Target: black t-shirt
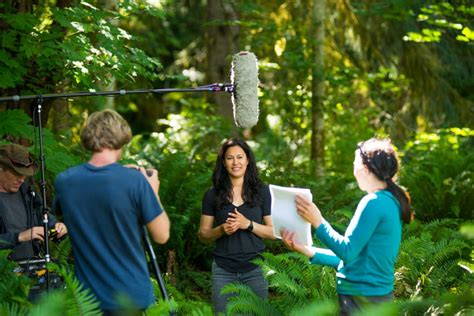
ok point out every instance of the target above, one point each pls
(234, 252)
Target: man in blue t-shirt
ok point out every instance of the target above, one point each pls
(105, 206)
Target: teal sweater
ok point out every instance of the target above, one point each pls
(365, 256)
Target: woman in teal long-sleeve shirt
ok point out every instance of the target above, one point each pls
(365, 255)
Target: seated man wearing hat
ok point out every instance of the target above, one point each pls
(20, 207)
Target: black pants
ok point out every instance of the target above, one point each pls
(349, 304)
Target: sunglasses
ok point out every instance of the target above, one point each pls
(21, 164)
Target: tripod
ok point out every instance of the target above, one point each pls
(37, 109)
(156, 268)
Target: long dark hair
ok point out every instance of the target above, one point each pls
(380, 158)
(221, 178)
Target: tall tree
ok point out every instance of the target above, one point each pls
(317, 86)
(222, 42)
(109, 5)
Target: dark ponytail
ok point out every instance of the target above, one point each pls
(403, 198)
(380, 158)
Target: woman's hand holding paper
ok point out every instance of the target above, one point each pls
(308, 211)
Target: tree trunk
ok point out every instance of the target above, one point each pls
(222, 42)
(109, 5)
(317, 87)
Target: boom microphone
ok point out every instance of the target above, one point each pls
(243, 86)
(244, 78)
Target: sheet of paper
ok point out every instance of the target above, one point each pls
(284, 213)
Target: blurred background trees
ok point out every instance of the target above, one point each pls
(332, 73)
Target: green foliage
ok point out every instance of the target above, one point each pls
(13, 288)
(438, 172)
(16, 123)
(12, 309)
(461, 303)
(61, 252)
(73, 299)
(428, 260)
(317, 308)
(57, 156)
(179, 302)
(444, 18)
(245, 301)
(292, 280)
(81, 43)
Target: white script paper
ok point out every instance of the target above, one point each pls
(284, 213)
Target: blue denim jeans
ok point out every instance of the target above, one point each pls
(220, 277)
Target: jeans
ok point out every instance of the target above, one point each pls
(349, 304)
(220, 277)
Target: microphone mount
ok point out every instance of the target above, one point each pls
(226, 87)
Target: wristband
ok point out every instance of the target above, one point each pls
(250, 228)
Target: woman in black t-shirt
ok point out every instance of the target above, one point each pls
(236, 214)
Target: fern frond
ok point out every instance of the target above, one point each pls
(79, 301)
(14, 288)
(428, 263)
(162, 307)
(245, 301)
(13, 309)
(62, 251)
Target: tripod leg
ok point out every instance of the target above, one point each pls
(156, 268)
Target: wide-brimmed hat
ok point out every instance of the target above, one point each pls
(17, 158)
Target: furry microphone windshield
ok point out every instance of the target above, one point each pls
(244, 77)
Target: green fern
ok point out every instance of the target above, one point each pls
(428, 260)
(245, 301)
(161, 307)
(178, 301)
(62, 251)
(294, 282)
(73, 299)
(13, 309)
(14, 288)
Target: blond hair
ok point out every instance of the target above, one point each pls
(105, 129)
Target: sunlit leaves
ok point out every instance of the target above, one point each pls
(280, 46)
(79, 42)
(426, 35)
(442, 18)
(443, 162)
(467, 35)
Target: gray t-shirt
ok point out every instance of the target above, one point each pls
(15, 219)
